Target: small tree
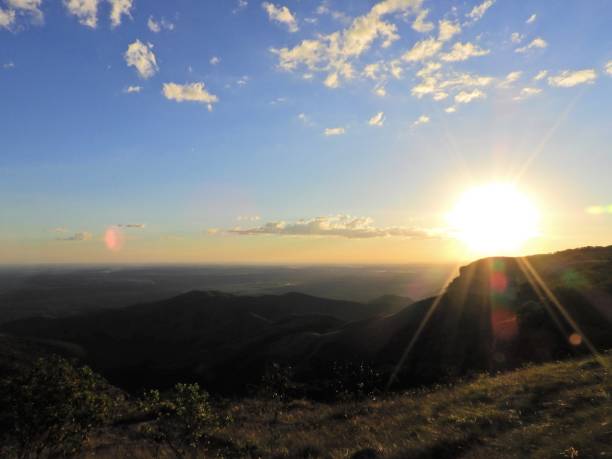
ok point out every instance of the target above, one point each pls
(182, 418)
(50, 408)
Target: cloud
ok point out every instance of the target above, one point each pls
(478, 11)
(80, 236)
(536, 43)
(377, 120)
(516, 37)
(608, 68)
(531, 19)
(8, 65)
(190, 92)
(7, 18)
(423, 119)
(420, 24)
(568, 78)
(32, 7)
(248, 218)
(305, 119)
(510, 78)
(119, 8)
(85, 10)
(380, 91)
(333, 53)
(157, 26)
(451, 109)
(334, 131)
(240, 5)
(423, 50)
(141, 57)
(437, 84)
(463, 51)
(281, 14)
(465, 97)
(335, 226)
(132, 225)
(215, 60)
(132, 89)
(447, 30)
(527, 92)
(541, 75)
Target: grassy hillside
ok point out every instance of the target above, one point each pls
(550, 410)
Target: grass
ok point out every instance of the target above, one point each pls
(546, 411)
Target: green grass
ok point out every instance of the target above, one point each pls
(547, 411)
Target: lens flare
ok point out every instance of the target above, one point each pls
(494, 219)
(113, 238)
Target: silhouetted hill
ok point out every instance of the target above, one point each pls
(497, 314)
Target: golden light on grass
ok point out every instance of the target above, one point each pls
(494, 219)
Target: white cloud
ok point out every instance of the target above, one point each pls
(334, 131)
(451, 109)
(422, 50)
(335, 226)
(438, 96)
(478, 11)
(7, 18)
(240, 5)
(119, 8)
(380, 91)
(568, 78)
(531, 19)
(8, 65)
(377, 120)
(423, 119)
(541, 75)
(527, 92)
(510, 78)
(516, 37)
(132, 225)
(190, 92)
(465, 97)
(463, 51)
(215, 60)
(85, 10)
(420, 24)
(153, 25)
(536, 43)
(281, 14)
(447, 30)
(32, 7)
(608, 68)
(333, 53)
(141, 57)
(132, 89)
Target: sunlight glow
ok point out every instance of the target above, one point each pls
(494, 219)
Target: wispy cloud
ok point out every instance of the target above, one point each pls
(86, 11)
(132, 225)
(120, 8)
(531, 19)
(540, 75)
(80, 236)
(420, 24)
(447, 30)
(215, 60)
(140, 56)
(377, 120)
(345, 226)
(569, 78)
(464, 51)
(240, 6)
(511, 78)
(423, 119)
(527, 92)
(281, 14)
(423, 50)
(189, 92)
(132, 89)
(608, 68)
(465, 97)
(28, 7)
(157, 26)
(7, 18)
(536, 43)
(479, 11)
(328, 132)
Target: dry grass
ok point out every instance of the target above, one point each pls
(554, 410)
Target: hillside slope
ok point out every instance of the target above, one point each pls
(551, 410)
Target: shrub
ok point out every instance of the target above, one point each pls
(182, 418)
(49, 409)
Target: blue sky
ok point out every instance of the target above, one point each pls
(295, 130)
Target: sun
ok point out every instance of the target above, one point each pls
(494, 219)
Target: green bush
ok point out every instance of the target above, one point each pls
(182, 418)
(49, 409)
